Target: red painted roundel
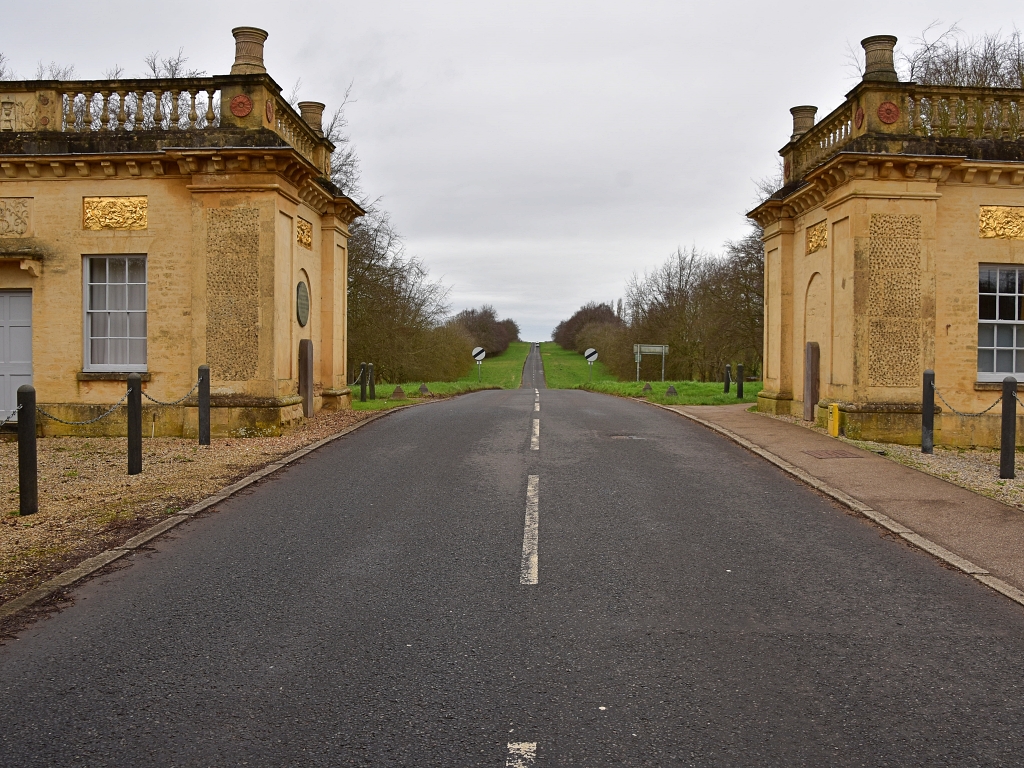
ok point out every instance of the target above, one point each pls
(241, 105)
(888, 112)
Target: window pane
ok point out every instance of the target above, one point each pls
(117, 351)
(137, 352)
(137, 326)
(117, 297)
(100, 326)
(986, 335)
(986, 307)
(119, 324)
(1004, 360)
(116, 271)
(1020, 362)
(1004, 335)
(136, 270)
(98, 351)
(97, 270)
(97, 297)
(985, 360)
(136, 297)
(1007, 308)
(1020, 336)
(1007, 280)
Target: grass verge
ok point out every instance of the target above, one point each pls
(504, 371)
(565, 369)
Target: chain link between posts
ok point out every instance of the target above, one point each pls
(979, 413)
(10, 416)
(174, 402)
(113, 408)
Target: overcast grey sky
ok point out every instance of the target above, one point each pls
(534, 154)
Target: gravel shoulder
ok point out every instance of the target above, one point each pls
(88, 503)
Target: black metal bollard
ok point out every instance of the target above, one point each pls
(739, 381)
(362, 382)
(1008, 433)
(134, 424)
(204, 405)
(928, 412)
(28, 476)
(306, 376)
(371, 384)
(728, 378)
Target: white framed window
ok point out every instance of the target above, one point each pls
(1000, 321)
(115, 313)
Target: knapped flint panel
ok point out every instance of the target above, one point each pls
(232, 297)
(894, 300)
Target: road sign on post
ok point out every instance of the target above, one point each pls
(639, 350)
(479, 353)
(591, 356)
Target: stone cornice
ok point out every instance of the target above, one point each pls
(207, 169)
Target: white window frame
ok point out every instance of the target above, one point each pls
(1015, 348)
(88, 365)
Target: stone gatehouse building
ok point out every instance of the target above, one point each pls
(155, 225)
(897, 245)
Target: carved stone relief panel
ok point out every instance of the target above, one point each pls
(118, 213)
(17, 112)
(232, 292)
(817, 237)
(1001, 221)
(894, 300)
(304, 233)
(15, 216)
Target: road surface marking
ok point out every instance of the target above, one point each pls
(521, 754)
(536, 406)
(536, 392)
(528, 569)
(535, 440)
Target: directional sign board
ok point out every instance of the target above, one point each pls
(650, 349)
(479, 354)
(591, 355)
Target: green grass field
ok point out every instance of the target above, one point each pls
(502, 372)
(564, 369)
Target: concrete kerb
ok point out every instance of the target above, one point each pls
(909, 536)
(103, 559)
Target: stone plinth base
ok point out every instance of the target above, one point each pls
(230, 416)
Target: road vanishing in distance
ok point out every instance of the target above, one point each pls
(372, 605)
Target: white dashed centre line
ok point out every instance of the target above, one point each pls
(536, 406)
(521, 754)
(535, 439)
(528, 569)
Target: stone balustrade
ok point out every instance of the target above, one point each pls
(983, 113)
(249, 102)
(827, 137)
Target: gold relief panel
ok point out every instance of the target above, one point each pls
(15, 216)
(1002, 221)
(817, 237)
(119, 213)
(304, 234)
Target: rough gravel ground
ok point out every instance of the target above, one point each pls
(976, 469)
(89, 503)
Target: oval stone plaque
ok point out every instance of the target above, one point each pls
(302, 304)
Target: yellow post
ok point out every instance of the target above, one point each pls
(833, 419)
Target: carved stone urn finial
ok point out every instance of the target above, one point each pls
(248, 51)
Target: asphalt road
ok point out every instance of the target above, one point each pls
(533, 371)
(692, 606)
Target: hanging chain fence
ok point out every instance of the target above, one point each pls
(10, 416)
(113, 408)
(173, 402)
(959, 413)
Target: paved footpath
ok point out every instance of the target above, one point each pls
(981, 530)
(453, 586)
